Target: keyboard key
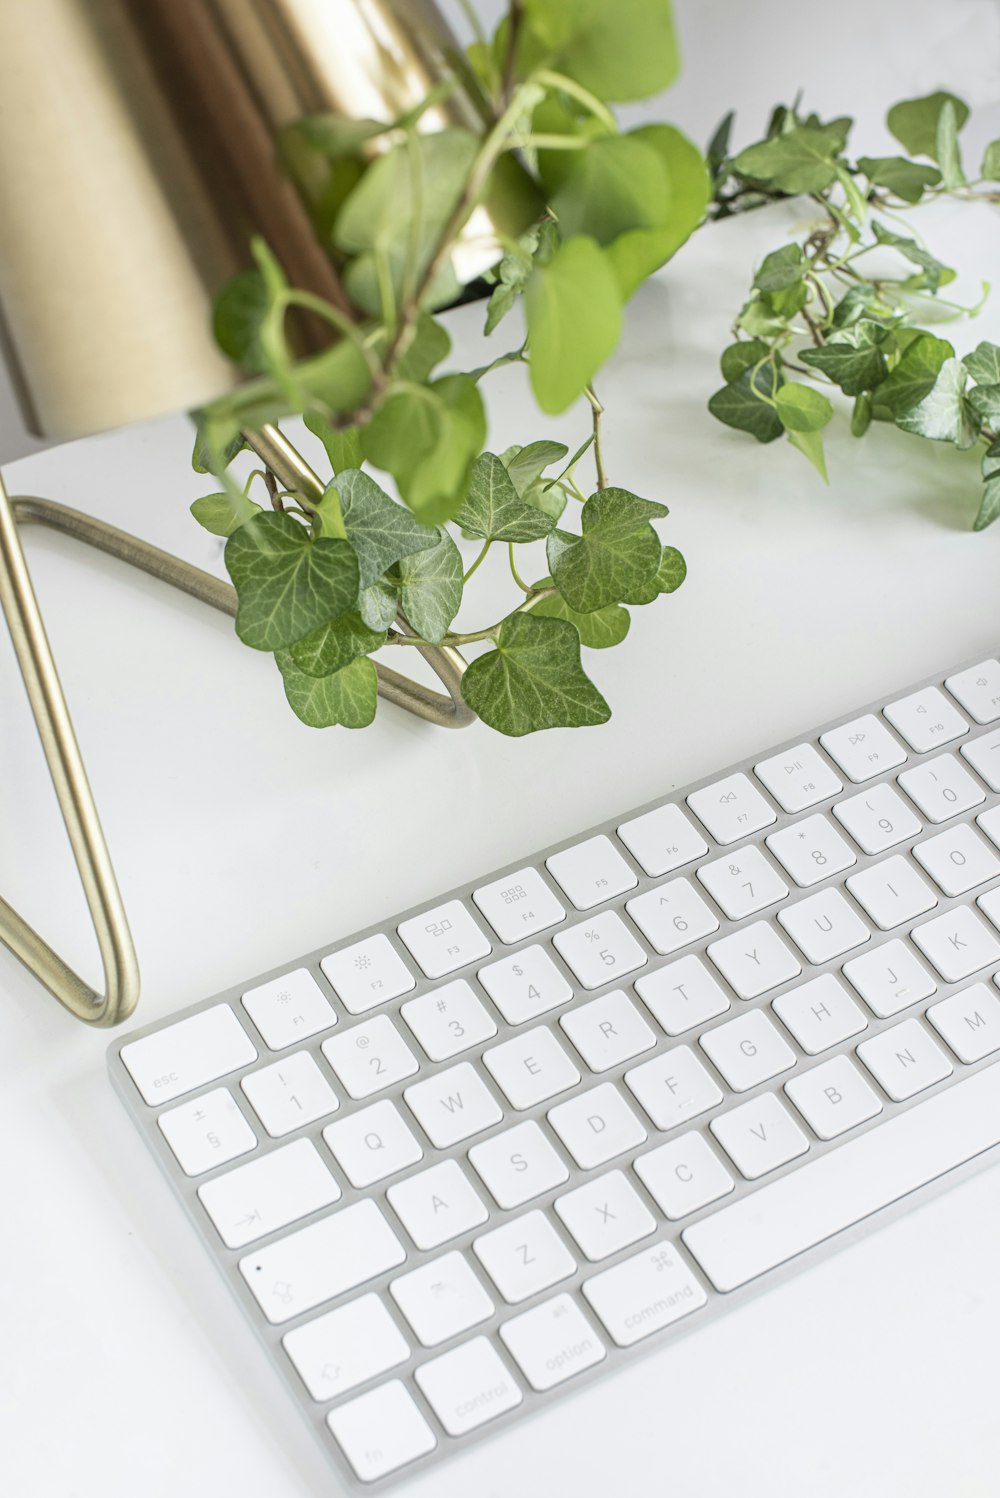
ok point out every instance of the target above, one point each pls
(989, 821)
(682, 994)
(453, 1105)
(731, 808)
(760, 1135)
(983, 755)
(289, 1094)
(524, 1257)
(892, 892)
(673, 1087)
(969, 1021)
(599, 950)
(957, 860)
(444, 939)
(890, 978)
(437, 1205)
(605, 1215)
(517, 1165)
(820, 1013)
(591, 872)
(596, 1126)
(811, 850)
(468, 1386)
(957, 944)
(325, 1259)
(978, 690)
(754, 960)
(531, 1068)
(370, 1057)
(519, 905)
(798, 778)
(367, 973)
(878, 818)
(743, 883)
(381, 1431)
(525, 985)
(662, 840)
(372, 1144)
(863, 748)
(942, 788)
(551, 1342)
(672, 915)
(926, 719)
(268, 1193)
(747, 1050)
(188, 1054)
(289, 1009)
(448, 1020)
(989, 904)
(346, 1347)
(643, 1294)
(824, 926)
(905, 1059)
(833, 1098)
(683, 1175)
(608, 1030)
(208, 1131)
(441, 1299)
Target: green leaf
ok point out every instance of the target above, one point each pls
(380, 530)
(935, 274)
(224, 513)
(810, 443)
(851, 357)
(990, 168)
(343, 445)
(205, 459)
(983, 363)
(588, 41)
(985, 402)
(527, 464)
(915, 375)
(946, 152)
(573, 310)
(617, 553)
(914, 122)
(672, 570)
(427, 439)
(598, 631)
(492, 509)
(378, 604)
(942, 414)
(738, 406)
(635, 254)
(430, 344)
(432, 588)
(533, 680)
(617, 183)
(349, 697)
(856, 303)
(907, 179)
(802, 409)
(333, 135)
(800, 160)
(237, 315)
(286, 583)
(861, 415)
(740, 356)
(335, 645)
(989, 507)
(784, 267)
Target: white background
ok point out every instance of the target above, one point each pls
(243, 838)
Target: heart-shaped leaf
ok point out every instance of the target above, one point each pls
(616, 555)
(432, 584)
(287, 584)
(335, 645)
(349, 697)
(533, 679)
(492, 509)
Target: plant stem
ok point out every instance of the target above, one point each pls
(590, 102)
(513, 569)
(515, 17)
(597, 411)
(480, 558)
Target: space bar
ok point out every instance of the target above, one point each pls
(812, 1203)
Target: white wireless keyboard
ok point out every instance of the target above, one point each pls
(458, 1164)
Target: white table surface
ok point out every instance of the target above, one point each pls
(243, 839)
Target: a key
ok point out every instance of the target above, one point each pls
(325, 1259)
(731, 808)
(905, 1059)
(878, 818)
(525, 985)
(437, 1205)
(346, 1347)
(289, 1094)
(644, 1294)
(957, 860)
(599, 950)
(673, 1087)
(983, 755)
(518, 1165)
(448, 1020)
(551, 1342)
(381, 1431)
(662, 840)
(892, 892)
(370, 1056)
(453, 1105)
(989, 822)
(760, 1135)
(824, 926)
(682, 994)
(863, 748)
(811, 850)
(268, 1193)
(608, 1030)
(591, 872)
(596, 1126)
(969, 1021)
(683, 1175)
(754, 959)
(468, 1386)
(798, 778)
(367, 973)
(820, 1013)
(208, 1131)
(942, 788)
(926, 719)
(747, 1050)
(441, 1299)
(531, 1068)
(833, 1097)
(372, 1144)
(890, 978)
(957, 944)
(444, 939)
(524, 1257)
(188, 1054)
(743, 883)
(605, 1215)
(519, 905)
(289, 1009)
(978, 690)
(672, 915)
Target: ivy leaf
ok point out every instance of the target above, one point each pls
(934, 272)
(335, 645)
(205, 459)
(989, 507)
(810, 444)
(983, 363)
(915, 375)
(914, 122)
(430, 344)
(533, 680)
(857, 302)
(618, 183)
(740, 356)
(990, 168)
(379, 604)
(907, 179)
(942, 415)
(224, 513)
(286, 583)
(851, 357)
(587, 41)
(598, 631)
(737, 405)
(332, 135)
(637, 253)
(800, 160)
(861, 415)
(802, 409)
(573, 310)
(527, 464)
(343, 447)
(432, 588)
(380, 530)
(349, 697)
(238, 312)
(617, 552)
(427, 439)
(946, 148)
(985, 402)
(492, 509)
(782, 268)
(672, 570)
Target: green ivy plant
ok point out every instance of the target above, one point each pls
(324, 585)
(841, 310)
